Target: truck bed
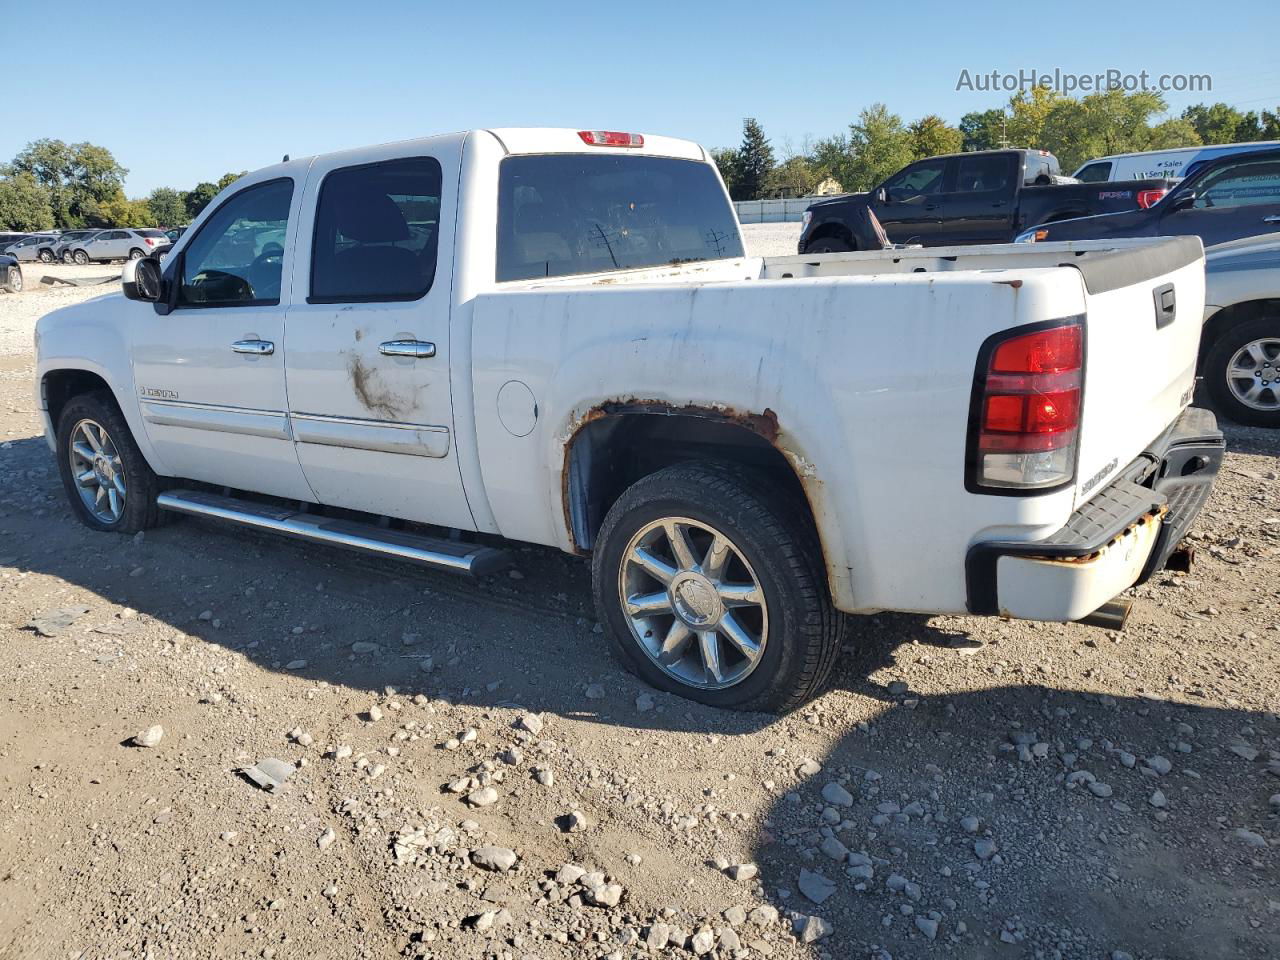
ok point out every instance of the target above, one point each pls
(863, 363)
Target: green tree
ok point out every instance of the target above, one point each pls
(932, 136)
(755, 161)
(78, 176)
(982, 130)
(726, 160)
(198, 197)
(227, 179)
(24, 203)
(1222, 123)
(1174, 132)
(879, 145)
(832, 158)
(794, 177)
(119, 211)
(167, 207)
(1270, 125)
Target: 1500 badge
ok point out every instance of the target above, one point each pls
(1097, 477)
(159, 394)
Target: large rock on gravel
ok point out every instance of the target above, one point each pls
(149, 737)
(809, 929)
(815, 886)
(836, 794)
(498, 859)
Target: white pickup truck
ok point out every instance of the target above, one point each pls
(426, 348)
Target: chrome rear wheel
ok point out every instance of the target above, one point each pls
(693, 603)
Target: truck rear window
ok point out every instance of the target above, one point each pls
(564, 214)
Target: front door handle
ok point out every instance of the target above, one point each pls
(407, 348)
(257, 348)
(1271, 219)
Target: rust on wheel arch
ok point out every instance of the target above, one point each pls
(763, 424)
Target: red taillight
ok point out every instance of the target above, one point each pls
(610, 138)
(1149, 198)
(1027, 409)
(151, 241)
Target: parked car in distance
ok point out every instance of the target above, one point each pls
(541, 335)
(10, 238)
(1172, 164)
(28, 249)
(1234, 196)
(1240, 347)
(59, 249)
(986, 196)
(173, 233)
(10, 274)
(128, 244)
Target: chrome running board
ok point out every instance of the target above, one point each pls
(428, 551)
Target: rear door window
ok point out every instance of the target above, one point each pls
(377, 232)
(1240, 185)
(983, 174)
(565, 214)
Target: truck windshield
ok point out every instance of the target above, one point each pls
(564, 214)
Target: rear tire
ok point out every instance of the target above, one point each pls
(771, 588)
(828, 245)
(84, 423)
(1247, 353)
(15, 280)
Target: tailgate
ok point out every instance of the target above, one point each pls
(1144, 307)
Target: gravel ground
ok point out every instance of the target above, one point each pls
(469, 775)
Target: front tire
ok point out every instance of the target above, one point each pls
(80, 257)
(46, 256)
(1242, 372)
(828, 245)
(136, 254)
(108, 482)
(15, 280)
(712, 587)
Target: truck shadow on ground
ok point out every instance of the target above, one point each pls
(1052, 868)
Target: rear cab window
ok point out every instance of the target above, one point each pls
(567, 214)
(1095, 173)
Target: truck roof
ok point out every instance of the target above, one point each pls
(526, 140)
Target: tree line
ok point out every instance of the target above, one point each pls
(51, 184)
(1075, 129)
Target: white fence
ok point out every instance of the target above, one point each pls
(773, 211)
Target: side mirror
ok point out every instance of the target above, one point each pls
(1185, 201)
(882, 195)
(141, 280)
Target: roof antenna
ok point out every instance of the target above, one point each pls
(286, 159)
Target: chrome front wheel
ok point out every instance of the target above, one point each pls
(693, 603)
(98, 471)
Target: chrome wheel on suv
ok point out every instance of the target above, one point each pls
(1253, 374)
(98, 471)
(693, 602)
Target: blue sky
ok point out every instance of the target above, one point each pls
(202, 89)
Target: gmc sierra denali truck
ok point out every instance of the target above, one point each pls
(986, 196)
(427, 348)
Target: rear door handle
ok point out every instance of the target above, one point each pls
(407, 348)
(1271, 219)
(258, 348)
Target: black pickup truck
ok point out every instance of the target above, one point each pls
(988, 196)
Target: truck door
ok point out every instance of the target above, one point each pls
(980, 199)
(210, 374)
(367, 344)
(1236, 200)
(907, 203)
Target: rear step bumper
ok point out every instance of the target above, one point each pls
(428, 551)
(1120, 537)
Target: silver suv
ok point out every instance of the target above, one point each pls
(29, 249)
(59, 248)
(130, 244)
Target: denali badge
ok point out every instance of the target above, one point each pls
(1097, 477)
(159, 394)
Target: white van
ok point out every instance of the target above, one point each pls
(1170, 164)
